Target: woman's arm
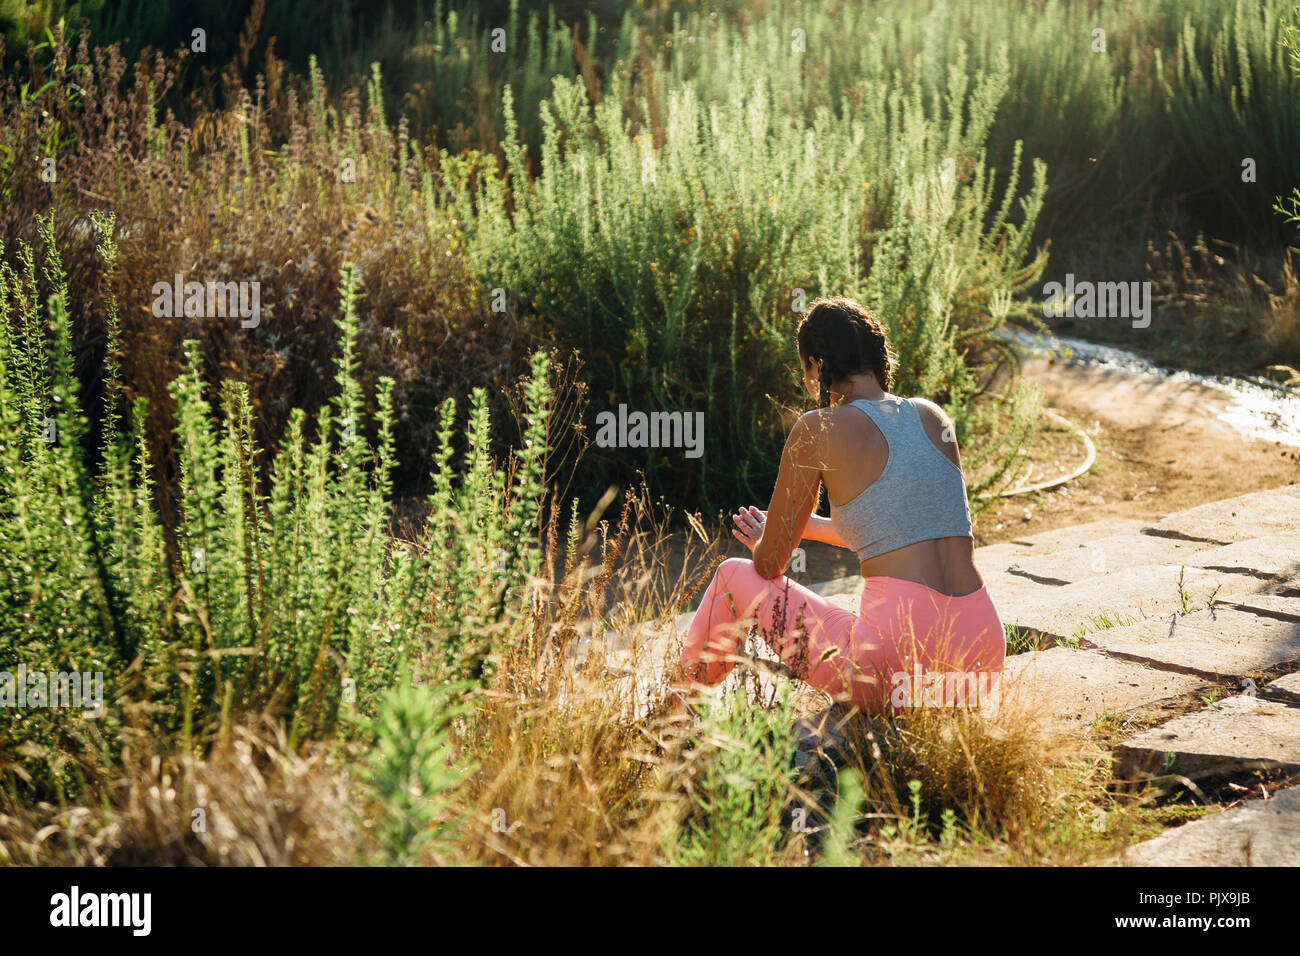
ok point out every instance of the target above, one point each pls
(820, 529)
(749, 528)
(793, 499)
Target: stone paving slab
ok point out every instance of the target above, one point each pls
(1231, 736)
(1105, 555)
(645, 649)
(1014, 590)
(1237, 519)
(1220, 640)
(1272, 556)
(992, 558)
(1077, 534)
(850, 584)
(1130, 593)
(1281, 607)
(849, 602)
(1068, 689)
(1284, 690)
(1260, 833)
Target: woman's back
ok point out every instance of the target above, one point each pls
(898, 500)
(897, 494)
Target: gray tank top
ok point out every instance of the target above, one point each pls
(919, 495)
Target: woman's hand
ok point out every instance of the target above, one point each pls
(749, 525)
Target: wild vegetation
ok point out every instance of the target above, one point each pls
(348, 573)
(287, 681)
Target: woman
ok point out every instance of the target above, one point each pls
(926, 630)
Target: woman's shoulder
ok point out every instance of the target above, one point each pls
(818, 420)
(937, 424)
(809, 434)
(928, 408)
(812, 422)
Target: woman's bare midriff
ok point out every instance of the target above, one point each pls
(946, 565)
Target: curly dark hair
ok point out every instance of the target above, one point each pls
(848, 340)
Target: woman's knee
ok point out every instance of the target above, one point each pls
(735, 569)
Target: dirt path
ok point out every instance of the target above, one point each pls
(1160, 448)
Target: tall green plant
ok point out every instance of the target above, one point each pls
(676, 267)
(1289, 206)
(741, 783)
(413, 771)
(284, 593)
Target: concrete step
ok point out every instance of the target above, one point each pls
(994, 558)
(1071, 537)
(849, 584)
(1279, 606)
(1232, 736)
(1236, 519)
(1259, 833)
(1066, 689)
(1105, 555)
(1124, 597)
(1272, 557)
(1284, 690)
(1223, 640)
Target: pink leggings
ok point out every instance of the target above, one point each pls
(908, 645)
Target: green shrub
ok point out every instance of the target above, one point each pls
(676, 268)
(1289, 206)
(741, 780)
(285, 596)
(414, 771)
(282, 187)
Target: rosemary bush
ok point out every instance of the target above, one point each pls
(677, 268)
(285, 595)
(742, 781)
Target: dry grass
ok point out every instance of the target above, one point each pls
(1241, 310)
(250, 802)
(257, 190)
(572, 747)
(577, 761)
